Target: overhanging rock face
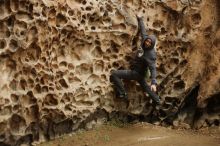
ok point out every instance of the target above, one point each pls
(56, 58)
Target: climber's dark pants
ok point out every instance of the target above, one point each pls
(117, 75)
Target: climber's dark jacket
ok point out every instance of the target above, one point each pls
(148, 59)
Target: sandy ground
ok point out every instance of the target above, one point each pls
(141, 134)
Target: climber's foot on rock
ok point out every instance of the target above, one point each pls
(122, 96)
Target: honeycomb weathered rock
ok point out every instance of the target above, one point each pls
(56, 58)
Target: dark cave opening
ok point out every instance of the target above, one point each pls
(213, 104)
(190, 100)
(189, 106)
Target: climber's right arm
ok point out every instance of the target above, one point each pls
(142, 28)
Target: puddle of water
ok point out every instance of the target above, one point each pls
(151, 138)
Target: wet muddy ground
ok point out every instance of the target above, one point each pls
(141, 134)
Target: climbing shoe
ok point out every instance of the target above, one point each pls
(158, 101)
(158, 104)
(123, 96)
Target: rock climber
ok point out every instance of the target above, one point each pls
(141, 63)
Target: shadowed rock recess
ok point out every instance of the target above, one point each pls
(56, 58)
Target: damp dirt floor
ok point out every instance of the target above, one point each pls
(141, 134)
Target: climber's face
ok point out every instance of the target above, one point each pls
(148, 43)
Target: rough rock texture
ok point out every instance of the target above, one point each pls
(56, 58)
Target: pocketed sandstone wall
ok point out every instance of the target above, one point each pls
(56, 58)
